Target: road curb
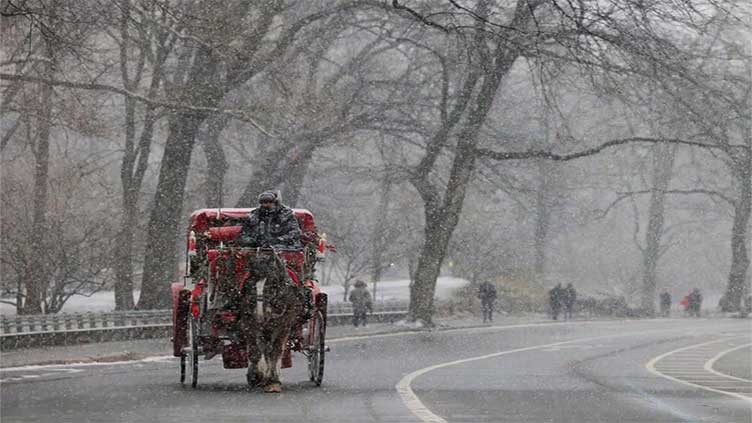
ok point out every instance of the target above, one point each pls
(127, 356)
(24, 340)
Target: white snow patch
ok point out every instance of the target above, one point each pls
(407, 324)
(399, 290)
(394, 290)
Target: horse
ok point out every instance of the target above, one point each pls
(270, 305)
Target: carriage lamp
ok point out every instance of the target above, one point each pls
(321, 247)
(192, 243)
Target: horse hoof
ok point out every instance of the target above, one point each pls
(273, 388)
(254, 381)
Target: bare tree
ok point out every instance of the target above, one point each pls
(147, 34)
(213, 68)
(53, 32)
(663, 164)
(521, 34)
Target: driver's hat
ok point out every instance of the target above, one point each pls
(267, 197)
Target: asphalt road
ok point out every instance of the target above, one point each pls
(617, 371)
(737, 363)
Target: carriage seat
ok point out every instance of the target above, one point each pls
(305, 220)
(224, 233)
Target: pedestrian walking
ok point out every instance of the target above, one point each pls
(685, 303)
(695, 302)
(361, 303)
(554, 300)
(665, 301)
(487, 296)
(569, 297)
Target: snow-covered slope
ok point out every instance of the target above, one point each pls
(385, 290)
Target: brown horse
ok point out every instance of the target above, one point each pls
(270, 305)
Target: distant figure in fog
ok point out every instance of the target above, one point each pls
(685, 303)
(554, 299)
(361, 303)
(665, 300)
(569, 297)
(487, 296)
(695, 302)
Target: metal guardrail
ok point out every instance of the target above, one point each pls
(79, 328)
(81, 321)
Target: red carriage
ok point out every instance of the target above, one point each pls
(214, 308)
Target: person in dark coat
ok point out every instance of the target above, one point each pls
(361, 303)
(665, 300)
(555, 300)
(695, 302)
(487, 296)
(272, 224)
(569, 297)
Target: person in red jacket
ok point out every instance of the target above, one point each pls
(685, 303)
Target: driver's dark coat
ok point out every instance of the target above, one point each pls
(276, 228)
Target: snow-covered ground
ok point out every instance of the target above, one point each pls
(100, 301)
(385, 290)
(399, 289)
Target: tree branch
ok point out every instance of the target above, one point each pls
(9, 133)
(423, 19)
(237, 114)
(700, 191)
(549, 155)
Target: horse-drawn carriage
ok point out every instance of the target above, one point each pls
(252, 306)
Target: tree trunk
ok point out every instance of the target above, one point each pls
(216, 161)
(345, 290)
(295, 177)
(19, 294)
(737, 280)
(440, 223)
(133, 169)
(663, 163)
(160, 259)
(378, 243)
(264, 175)
(437, 234)
(124, 247)
(542, 219)
(36, 286)
(327, 277)
(283, 168)
(124, 254)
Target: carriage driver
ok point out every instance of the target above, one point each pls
(272, 224)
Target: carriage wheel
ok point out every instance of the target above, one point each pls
(317, 348)
(182, 368)
(181, 327)
(193, 354)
